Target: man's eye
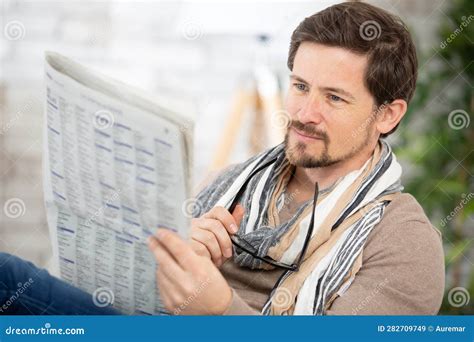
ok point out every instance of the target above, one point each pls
(300, 86)
(335, 98)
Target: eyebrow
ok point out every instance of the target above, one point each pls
(332, 89)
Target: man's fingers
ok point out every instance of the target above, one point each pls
(216, 227)
(208, 239)
(176, 247)
(223, 215)
(200, 249)
(166, 290)
(165, 261)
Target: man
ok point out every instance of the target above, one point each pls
(318, 224)
(353, 72)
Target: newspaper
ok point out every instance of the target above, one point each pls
(116, 166)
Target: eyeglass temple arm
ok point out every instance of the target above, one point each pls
(244, 185)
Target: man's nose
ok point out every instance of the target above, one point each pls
(311, 110)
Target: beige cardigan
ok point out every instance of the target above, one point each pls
(402, 271)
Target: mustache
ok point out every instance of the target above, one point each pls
(309, 130)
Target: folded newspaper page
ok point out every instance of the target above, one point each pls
(116, 167)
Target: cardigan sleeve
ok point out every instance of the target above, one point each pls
(239, 307)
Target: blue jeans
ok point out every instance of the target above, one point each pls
(28, 290)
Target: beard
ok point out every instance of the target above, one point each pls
(299, 153)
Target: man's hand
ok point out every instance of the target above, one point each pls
(189, 284)
(210, 233)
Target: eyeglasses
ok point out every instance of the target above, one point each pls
(244, 245)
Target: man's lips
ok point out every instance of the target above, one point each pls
(305, 135)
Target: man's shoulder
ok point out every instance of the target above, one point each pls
(405, 225)
(405, 207)
(405, 252)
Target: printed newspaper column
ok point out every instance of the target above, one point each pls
(116, 167)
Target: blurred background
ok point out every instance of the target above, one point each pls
(228, 59)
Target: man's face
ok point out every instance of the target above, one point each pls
(332, 112)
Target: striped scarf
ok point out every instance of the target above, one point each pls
(345, 214)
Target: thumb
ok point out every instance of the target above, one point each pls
(238, 214)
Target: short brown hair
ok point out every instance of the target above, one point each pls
(367, 30)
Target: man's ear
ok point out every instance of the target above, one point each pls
(390, 115)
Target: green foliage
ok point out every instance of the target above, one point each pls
(440, 146)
